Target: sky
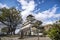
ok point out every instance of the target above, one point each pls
(47, 11)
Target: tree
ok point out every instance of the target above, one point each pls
(54, 32)
(11, 18)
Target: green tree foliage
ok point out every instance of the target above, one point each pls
(54, 32)
(4, 30)
(11, 18)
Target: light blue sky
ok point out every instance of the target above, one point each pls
(46, 10)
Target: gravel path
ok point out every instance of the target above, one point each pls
(28, 38)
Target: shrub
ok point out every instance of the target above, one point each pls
(54, 33)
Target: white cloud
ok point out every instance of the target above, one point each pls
(3, 5)
(28, 7)
(47, 14)
(43, 16)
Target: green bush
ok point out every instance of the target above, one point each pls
(54, 33)
(4, 30)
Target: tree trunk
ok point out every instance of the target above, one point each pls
(14, 28)
(22, 34)
(13, 32)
